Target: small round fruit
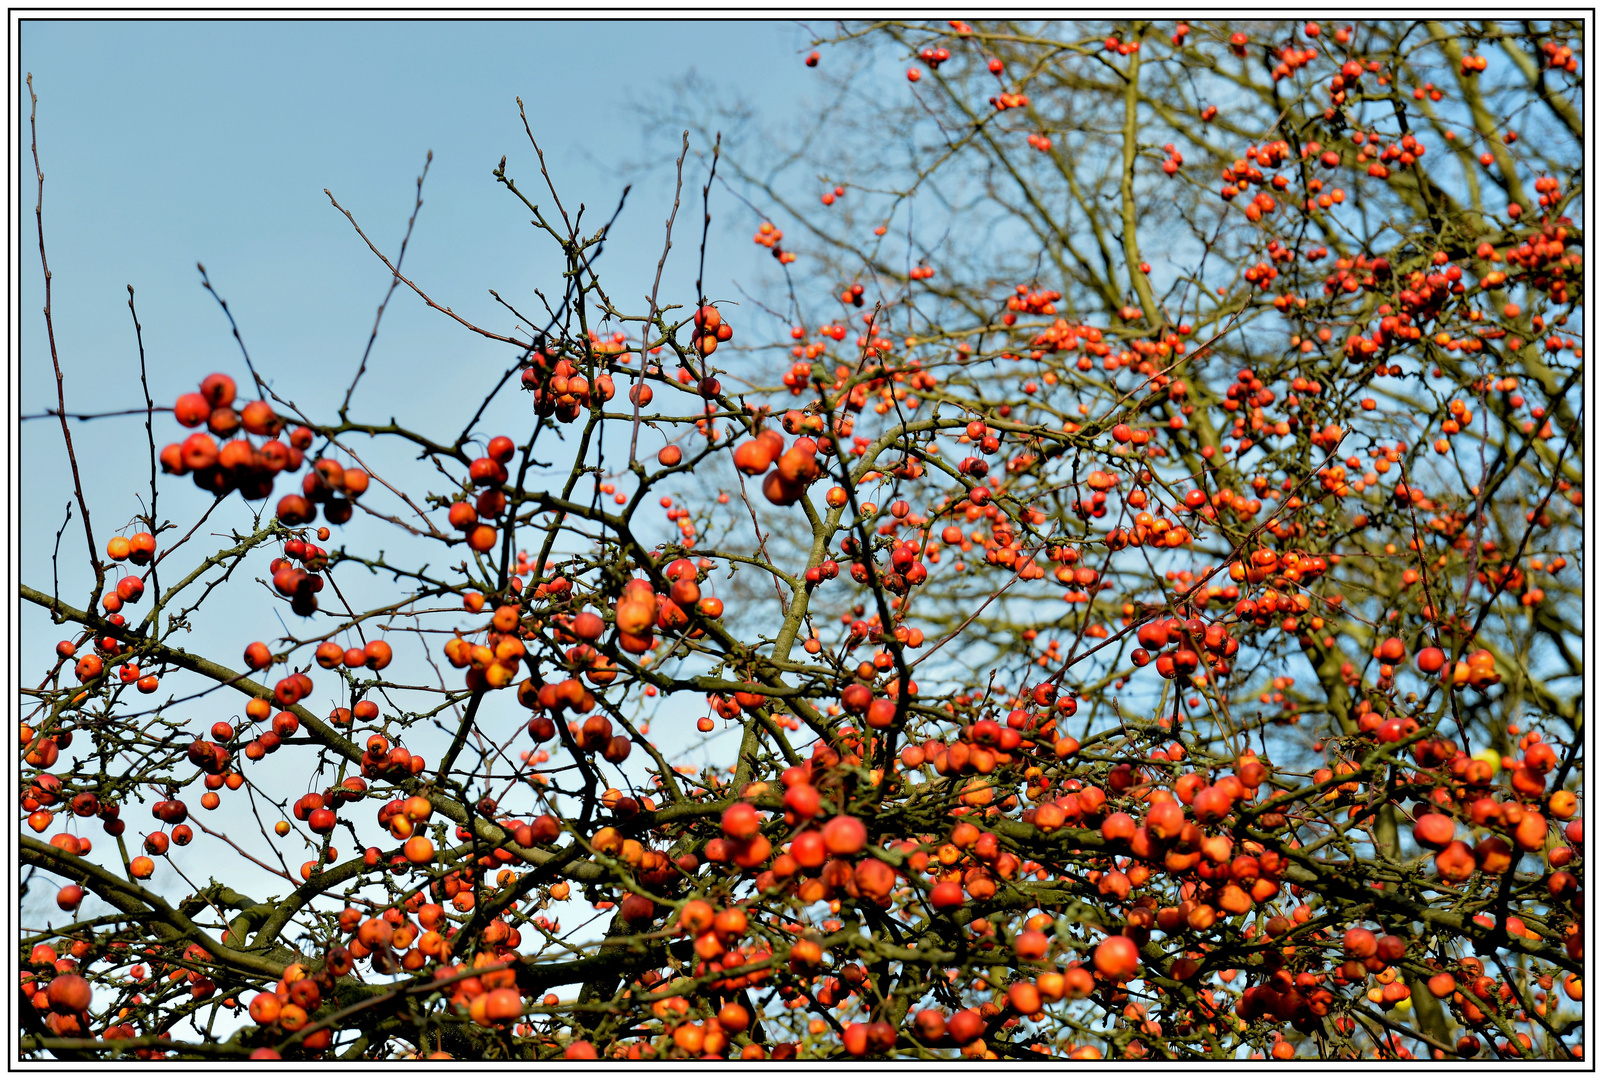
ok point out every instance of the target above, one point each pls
(68, 993)
(419, 849)
(845, 835)
(1117, 958)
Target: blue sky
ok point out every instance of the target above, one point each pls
(168, 143)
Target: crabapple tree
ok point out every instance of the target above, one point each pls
(1108, 589)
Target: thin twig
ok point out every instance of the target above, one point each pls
(409, 284)
(50, 414)
(150, 434)
(706, 224)
(395, 280)
(651, 315)
(205, 282)
(50, 332)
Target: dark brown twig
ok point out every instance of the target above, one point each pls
(55, 360)
(395, 279)
(651, 314)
